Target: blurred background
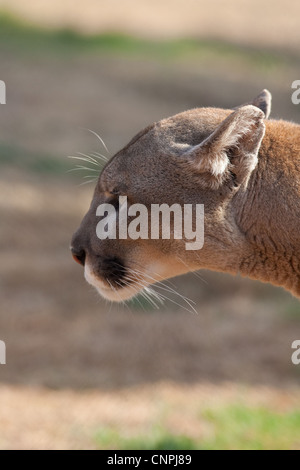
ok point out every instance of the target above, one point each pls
(82, 373)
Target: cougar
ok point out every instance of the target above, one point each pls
(243, 168)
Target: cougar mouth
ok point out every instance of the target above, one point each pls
(113, 287)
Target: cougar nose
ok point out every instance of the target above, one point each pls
(78, 255)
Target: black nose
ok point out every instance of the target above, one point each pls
(78, 255)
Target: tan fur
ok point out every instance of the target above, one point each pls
(246, 172)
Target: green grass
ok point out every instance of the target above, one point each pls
(290, 310)
(21, 37)
(35, 162)
(238, 427)
(246, 428)
(158, 440)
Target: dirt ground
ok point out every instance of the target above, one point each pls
(68, 419)
(74, 362)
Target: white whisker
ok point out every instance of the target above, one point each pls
(101, 140)
(99, 156)
(80, 167)
(84, 159)
(86, 182)
(166, 288)
(196, 274)
(88, 156)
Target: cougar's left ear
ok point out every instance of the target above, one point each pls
(230, 152)
(264, 102)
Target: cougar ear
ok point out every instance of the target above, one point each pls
(230, 152)
(262, 101)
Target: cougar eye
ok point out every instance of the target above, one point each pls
(109, 194)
